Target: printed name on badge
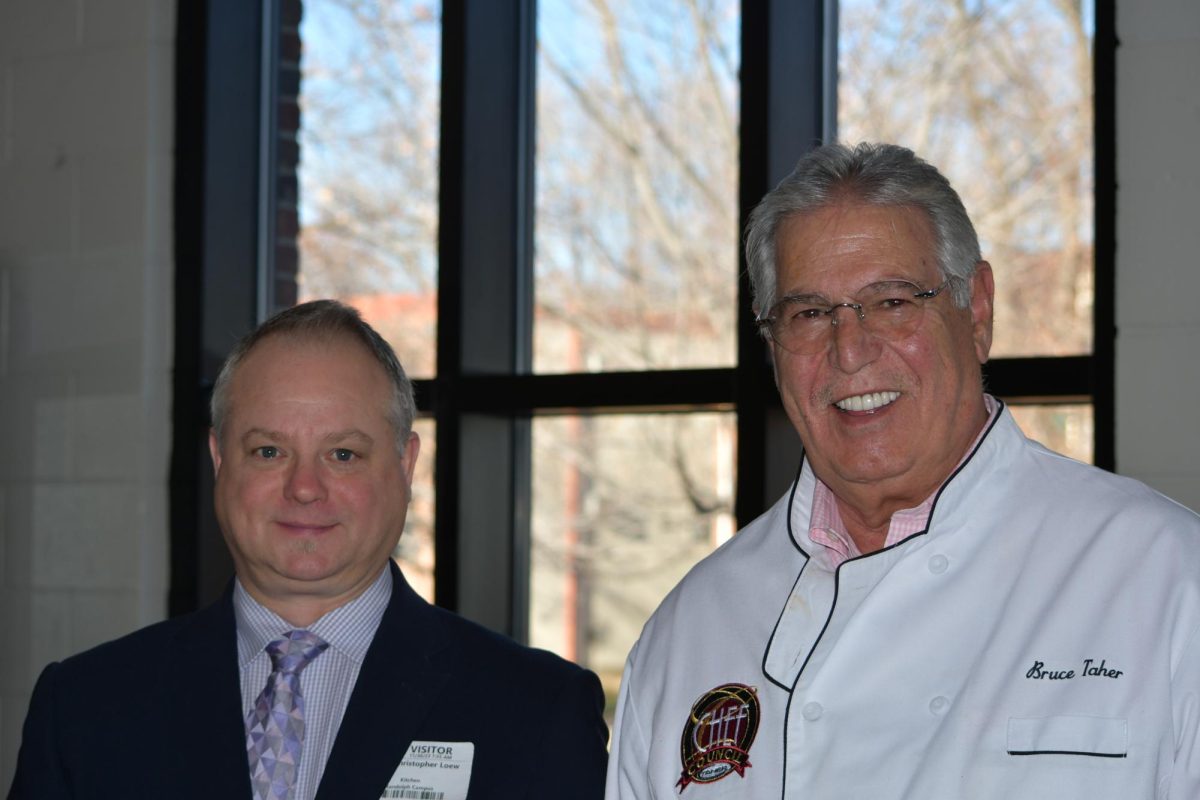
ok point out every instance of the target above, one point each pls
(432, 771)
(718, 734)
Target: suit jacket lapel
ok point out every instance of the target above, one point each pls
(395, 690)
(200, 692)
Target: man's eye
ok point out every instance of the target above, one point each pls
(267, 451)
(893, 303)
(343, 455)
(805, 314)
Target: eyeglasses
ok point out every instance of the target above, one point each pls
(888, 310)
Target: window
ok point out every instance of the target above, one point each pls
(367, 178)
(634, 268)
(591, 317)
(636, 226)
(998, 95)
(623, 505)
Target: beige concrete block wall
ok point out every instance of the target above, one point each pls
(1158, 245)
(86, 272)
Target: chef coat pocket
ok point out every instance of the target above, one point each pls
(1103, 737)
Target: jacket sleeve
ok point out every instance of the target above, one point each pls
(574, 744)
(628, 770)
(41, 774)
(1185, 691)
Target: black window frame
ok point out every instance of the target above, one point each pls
(484, 395)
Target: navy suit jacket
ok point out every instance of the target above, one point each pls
(157, 714)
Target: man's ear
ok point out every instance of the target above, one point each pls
(412, 448)
(983, 291)
(214, 450)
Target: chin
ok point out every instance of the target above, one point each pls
(308, 567)
(869, 471)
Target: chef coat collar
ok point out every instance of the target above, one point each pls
(800, 624)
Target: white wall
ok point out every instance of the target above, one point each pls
(86, 138)
(1158, 245)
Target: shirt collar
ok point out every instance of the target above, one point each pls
(348, 629)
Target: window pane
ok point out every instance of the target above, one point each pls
(998, 95)
(415, 553)
(623, 505)
(1066, 429)
(636, 223)
(368, 165)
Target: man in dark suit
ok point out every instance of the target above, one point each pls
(319, 673)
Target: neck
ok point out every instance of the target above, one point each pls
(869, 530)
(867, 508)
(302, 609)
(302, 615)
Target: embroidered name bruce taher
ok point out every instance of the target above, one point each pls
(1090, 669)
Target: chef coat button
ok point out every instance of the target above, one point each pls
(938, 705)
(938, 564)
(812, 711)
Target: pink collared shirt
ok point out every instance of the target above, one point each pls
(827, 529)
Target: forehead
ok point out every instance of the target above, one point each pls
(848, 245)
(334, 372)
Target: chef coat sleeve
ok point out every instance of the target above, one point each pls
(1185, 691)
(628, 768)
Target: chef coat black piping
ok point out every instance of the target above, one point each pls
(837, 580)
(1065, 753)
(932, 509)
(771, 638)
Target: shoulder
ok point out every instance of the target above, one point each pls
(1091, 491)
(549, 710)
(481, 667)
(733, 595)
(756, 553)
(471, 649)
(1056, 512)
(84, 708)
(1024, 477)
(126, 660)
(458, 646)
(760, 551)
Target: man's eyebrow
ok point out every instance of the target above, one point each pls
(349, 435)
(335, 437)
(817, 298)
(805, 297)
(261, 433)
(893, 283)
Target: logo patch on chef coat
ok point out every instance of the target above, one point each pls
(718, 734)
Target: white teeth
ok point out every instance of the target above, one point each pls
(867, 402)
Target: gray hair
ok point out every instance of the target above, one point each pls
(875, 174)
(322, 321)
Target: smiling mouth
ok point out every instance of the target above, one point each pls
(867, 402)
(303, 527)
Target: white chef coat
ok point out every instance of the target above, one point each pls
(1040, 639)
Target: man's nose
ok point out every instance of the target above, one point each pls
(853, 346)
(305, 483)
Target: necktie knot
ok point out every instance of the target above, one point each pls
(295, 650)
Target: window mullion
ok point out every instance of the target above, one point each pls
(484, 266)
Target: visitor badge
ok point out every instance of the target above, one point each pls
(432, 771)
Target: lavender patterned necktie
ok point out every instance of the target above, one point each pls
(275, 726)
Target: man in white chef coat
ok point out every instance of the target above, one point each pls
(938, 607)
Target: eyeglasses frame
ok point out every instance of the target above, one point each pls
(766, 323)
